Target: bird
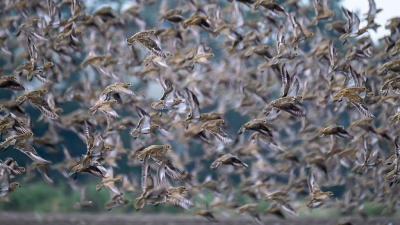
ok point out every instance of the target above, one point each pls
(353, 29)
(197, 20)
(392, 83)
(251, 210)
(228, 159)
(35, 98)
(207, 214)
(392, 176)
(300, 34)
(116, 89)
(317, 196)
(336, 130)
(5, 186)
(83, 202)
(144, 125)
(10, 82)
(351, 94)
(168, 99)
(143, 38)
(156, 153)
(194, 106)
(271, 5)
(104, 107)
(259, 125)
(322, 11)
(20, 142)
(287, 104)
(213, 127)
(284, 51)
(173, 15)
(94, 169)
(11, 122)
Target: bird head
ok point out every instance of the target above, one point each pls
(14, 185)
(29, 133)
(49, 64)
(329, 193)
(127, 84)
(95, 163)
(22, 122)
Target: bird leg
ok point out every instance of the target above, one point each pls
(76, 175)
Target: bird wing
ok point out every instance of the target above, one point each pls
(88, 135)
(4, 178)
(145, 171)
(33, 52)
(13, 85)
(332, 53)
(312, 185)
(344, 134)
(26, 148)
(178, 199)
(359, 103)
(43, 106)
(285, 80)
(385, 87)
(355, 23)
(45, 174)
(106, 109)
(162, 160)
(318, 7)
(194, 104)
(152, 46)
(220, 135)
(167, 87)
(292, 109)
(83, 194)
(144, 122)
(280, 40)
(367, 151)
(397, 144)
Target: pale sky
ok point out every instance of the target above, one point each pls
(390, 8)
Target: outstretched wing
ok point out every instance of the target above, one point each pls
(27, 149)
(43, 106)
(152, 46)
(359, 103)
(194, 104)
(312, 185)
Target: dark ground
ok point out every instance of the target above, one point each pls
(107, 219)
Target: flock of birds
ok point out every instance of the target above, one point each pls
(297, 143)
